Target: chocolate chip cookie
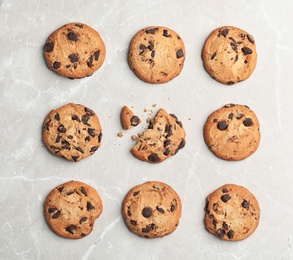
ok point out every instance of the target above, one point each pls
(128, 119)
(232, 132)
(229, 55)
(156, 54)
(75, 51)
(72, 131)
(231, 213)
(71, 209)
(164, 137)
(152, 209)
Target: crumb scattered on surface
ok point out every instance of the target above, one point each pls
(154, 105)
(134, 137)
(148, 120)
(120, 134)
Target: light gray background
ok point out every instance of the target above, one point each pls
(29, 91)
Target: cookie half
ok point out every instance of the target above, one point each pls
(71, 209)
(232, 132)
(229, 55)
(152, 209)
(72, 131)
(156, 54)
(231, 213)
(75, 50)
(164, 137)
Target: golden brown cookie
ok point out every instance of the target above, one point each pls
(75, 50)
(229, 55)
(156, 54)
(152, 209)
(128, 119)
(164, 137)
(232, 132)
(71, 209)
(72, 131)
(231, 213)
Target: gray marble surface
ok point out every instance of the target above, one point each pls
(28, 91)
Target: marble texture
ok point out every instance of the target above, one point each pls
(28, 91)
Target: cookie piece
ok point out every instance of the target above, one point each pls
(156, 54)
(229, 55)
(152, 209)
(72, 131)
(75, 50)
(163, 139)
(128, 119)
(231, 213)
(71, 209)
(232, 132)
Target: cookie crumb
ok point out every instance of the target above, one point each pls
(120, 134)
(134, 137)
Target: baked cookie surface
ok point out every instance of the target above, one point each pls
(71, 209)
(229, 55)
(164, 137)
(75, 50)
(232, 132)
(156, 54)
(152, 209)
(231, 213)
(72, 131)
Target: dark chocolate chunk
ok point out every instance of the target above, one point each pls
(76, 118)
(75, 157)
(225, 32)
(133, 222)
(89, 206)
(79, 25)
(147, 212)
(239, 116)
(213, 56)
(167, 152)
(172, 208)
(92, 132)
(49, 46)
(248, 122)
(85, 119)
(167, 142)
(142, 48)
(61, 129)
(161, 210)
(56, 65)
(222, 125)
(60, 189)
(136, 193)
(151, 46)
(70, 192)
(225, 225)
(100, 137)
(88, 138)
(179, 53)
(182, 144)
(220, 232)
(225, 190)
(230, 234)
(153, 158)
(57, 117)
(225, 198)
(147, 229)
(97, 54)
(246, 50)
(94, 148)
(51, 210)
(90, 61)
(72, 36)
(80, 149)
(245, 204)
(82, 220)
(151, 30)
(153, 53)
(73, 58)
(70, 229)
(230, 116)
(230, 83)
(250, 38)
(166, 34)
(56, 215)
(83, 191)
(89, 111)
(134, 121)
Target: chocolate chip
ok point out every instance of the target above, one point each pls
(147, 212)
(75, 157)
(213, 56)
(60, 189)
(151, 46)
(225, 32)
(70, 229)
(179, 53)
(94, 148)
(153, 53)
(79, 149)
(142, 48)
(73, 58)
(230, 83)
(161, 210)
(76, 118)
(90, 61)
(225, 190)
(225, 226)
(136, 193)
(92, 132)
(246, 50)
(134, 121)
(153, 158)
(225, 198)
(220, 232)
(100, 137)
(51, 210)
(167, 142)
(167, 152)
(61, 129)
(248, 122)
(222, 125)
(65, 145)
(83, 191)
(230, 116)
(49, 46)
(56, 65)
(97, 54)
(56, 215)
(172, 208)
(72, 36)
(82, 220)
(182, 144)
(230, 234)
(85, 119)
(57, 117)
(147, 229)
(151, 31)
(70, 192)
(245, 204)
(89, 206)
(88, 138)
(133, 222)
(250, 38)
(239, 116)
(166, 34)
(79, 25)
(47, 125)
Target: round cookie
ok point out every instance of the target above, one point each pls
(71, 209)
(232, 132)
(229, 55)
(156, 54)
(75, 50)
(164, 137)
(152, 209)
(72, 131)
(232, 213)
